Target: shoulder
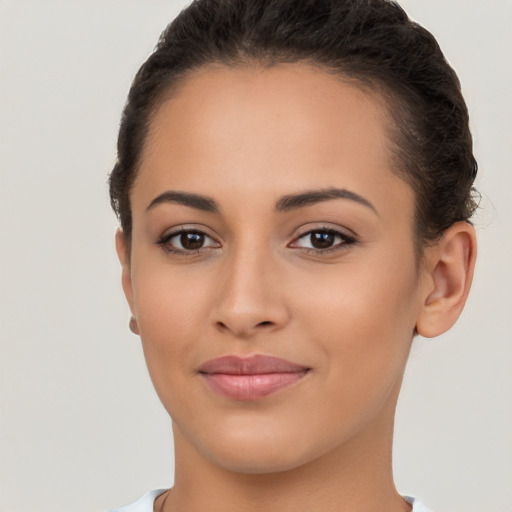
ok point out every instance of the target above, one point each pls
(144, 504)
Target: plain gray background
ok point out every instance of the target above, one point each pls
(81, 428)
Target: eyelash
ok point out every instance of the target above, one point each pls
(346, 240)
(165, 240)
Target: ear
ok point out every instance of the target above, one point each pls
(123, 254)
(449, 267)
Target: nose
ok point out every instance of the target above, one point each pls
(251, 295)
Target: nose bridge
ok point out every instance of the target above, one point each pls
(249, 296)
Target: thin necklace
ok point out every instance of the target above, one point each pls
(162, 507)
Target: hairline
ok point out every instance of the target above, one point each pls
(386, 97)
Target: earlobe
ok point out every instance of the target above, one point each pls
(124, 258)
(134, 327)
(449, 267)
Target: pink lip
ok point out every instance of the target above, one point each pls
(250, 378)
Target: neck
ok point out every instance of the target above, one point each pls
(356, 476)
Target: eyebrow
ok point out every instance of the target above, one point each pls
(284, 204)
(197, 201)
(310, 197)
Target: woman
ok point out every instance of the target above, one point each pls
(294, 185)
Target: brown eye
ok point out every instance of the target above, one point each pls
(192, 240)
(187, 242)
(322, 239)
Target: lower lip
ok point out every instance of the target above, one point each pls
(251, 387)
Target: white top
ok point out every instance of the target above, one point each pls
(145, 504)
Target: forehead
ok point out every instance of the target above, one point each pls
(268, 130)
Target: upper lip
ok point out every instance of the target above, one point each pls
(251, 365)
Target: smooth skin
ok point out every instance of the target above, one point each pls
(332, 283)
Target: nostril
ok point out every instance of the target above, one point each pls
(222, 325)
(266, 322)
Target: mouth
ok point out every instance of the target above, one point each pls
(250, 378)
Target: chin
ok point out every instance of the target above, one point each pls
(260, 449)
(258, 462)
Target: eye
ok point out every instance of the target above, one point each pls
(187, 241)
(323, 240)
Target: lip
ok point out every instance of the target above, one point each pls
(250, 378)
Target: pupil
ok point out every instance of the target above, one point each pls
(192, 240)
(322, 240)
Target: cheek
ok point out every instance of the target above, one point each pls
(169, 301)
(362, 324)
(171, 308)
(362, 316)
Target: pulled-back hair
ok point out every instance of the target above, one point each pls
(370, 42)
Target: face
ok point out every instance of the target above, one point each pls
(268, 222)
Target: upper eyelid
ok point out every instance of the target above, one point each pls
(173, 234)
(186, 228)
(346, 238)
(342, 231)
